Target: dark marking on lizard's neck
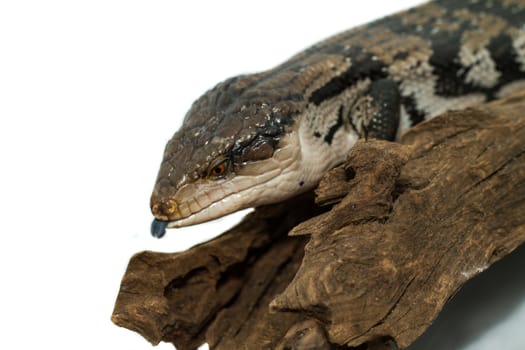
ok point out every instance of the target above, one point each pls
(329, 137)
(416, 116)
(505, 58)
(444, 60)
(363, 65)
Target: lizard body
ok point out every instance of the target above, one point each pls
(261, 138)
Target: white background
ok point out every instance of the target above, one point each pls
(90, 91)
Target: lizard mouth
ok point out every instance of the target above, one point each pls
(273, 186)
(168, 214)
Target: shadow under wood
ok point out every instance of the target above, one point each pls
(481, 304)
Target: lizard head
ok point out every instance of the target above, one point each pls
(235, 150)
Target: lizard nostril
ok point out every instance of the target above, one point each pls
(163, 209)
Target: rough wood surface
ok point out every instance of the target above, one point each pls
(215, 291)
(397, 230)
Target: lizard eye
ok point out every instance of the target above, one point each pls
(219, 169)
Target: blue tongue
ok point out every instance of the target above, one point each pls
(158, 228)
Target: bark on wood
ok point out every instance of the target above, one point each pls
(395, 232)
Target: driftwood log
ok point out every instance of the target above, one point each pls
(369, 263)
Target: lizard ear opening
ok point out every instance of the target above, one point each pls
(260, 148)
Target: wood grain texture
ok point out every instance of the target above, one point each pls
(402, 227)
(219, 287)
